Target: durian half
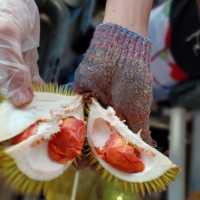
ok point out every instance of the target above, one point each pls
(31, 162)
(158, 171)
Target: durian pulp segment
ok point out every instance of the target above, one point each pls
(14, 121)
(156, 164)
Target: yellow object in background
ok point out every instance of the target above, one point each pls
(114, 192)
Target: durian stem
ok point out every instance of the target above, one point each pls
(75, 185)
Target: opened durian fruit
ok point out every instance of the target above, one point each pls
(41, 141)
(121, 155)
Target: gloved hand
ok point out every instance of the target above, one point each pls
(19, 39)
(115, 70)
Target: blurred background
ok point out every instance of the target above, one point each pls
(67, 27)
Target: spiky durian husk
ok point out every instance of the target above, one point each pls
(50, 87)
(158, 184)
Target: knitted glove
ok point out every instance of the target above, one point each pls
(115, 70)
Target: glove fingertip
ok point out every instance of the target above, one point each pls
(22, 97)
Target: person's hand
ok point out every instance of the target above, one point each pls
(19, 39)
(115, 70)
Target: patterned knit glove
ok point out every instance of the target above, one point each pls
(115, 70)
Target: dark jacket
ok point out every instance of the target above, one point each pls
(185, 29)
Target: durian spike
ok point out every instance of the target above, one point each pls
(2, 98)
(86, 111)
(156, 185)
(53, 88)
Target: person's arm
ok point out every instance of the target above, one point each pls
(115, 68)
(131, 14)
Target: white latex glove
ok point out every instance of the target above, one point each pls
(19, 40)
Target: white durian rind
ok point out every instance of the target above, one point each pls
(14, 121)
(156, 164)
